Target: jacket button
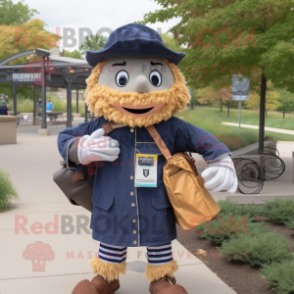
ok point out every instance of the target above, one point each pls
(132, 193)
(134, 232)
(131, 177)
(133, 204)
(132, 130)
(134, 220)
(135, 242)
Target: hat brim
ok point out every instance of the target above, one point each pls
(137, 47)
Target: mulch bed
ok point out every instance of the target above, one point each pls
(241, 278)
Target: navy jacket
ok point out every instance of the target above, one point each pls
(127, 216)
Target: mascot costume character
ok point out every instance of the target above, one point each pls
(135, 83)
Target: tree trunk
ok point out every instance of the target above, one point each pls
(221, 106)
(284, 115)
(192, 106)
(228, 112)
(261, 114)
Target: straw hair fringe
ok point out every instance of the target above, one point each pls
(155, 272)
(108, 271)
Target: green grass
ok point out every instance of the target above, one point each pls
(273, 119)
(25, 105)
(210, 119)
(7, 190)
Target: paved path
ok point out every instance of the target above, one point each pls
(276, 130)
(42, 211)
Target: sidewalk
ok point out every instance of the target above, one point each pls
(43, 211)
(276, 130)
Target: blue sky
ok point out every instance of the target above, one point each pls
(93, 14)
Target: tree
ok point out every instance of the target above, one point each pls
(93, 43)
(171, 42)
(222, 96)
(18, 13)
(197, 95)
(73, 54)
(30, 35)
(245, 37)
(272, 99)
(17, 38)
(286, 100)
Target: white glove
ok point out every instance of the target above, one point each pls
(97, 147)
(221, 175)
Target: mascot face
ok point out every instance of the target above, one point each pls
(136, 91)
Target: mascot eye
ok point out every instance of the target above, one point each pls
(155, 78)
(122, 78)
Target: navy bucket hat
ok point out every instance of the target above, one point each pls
(133, 40)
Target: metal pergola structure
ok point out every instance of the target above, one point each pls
(51, 70)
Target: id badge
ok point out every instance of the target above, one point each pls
(146, 170)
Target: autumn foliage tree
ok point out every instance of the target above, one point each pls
(19, 32)
(222, 97)
(272, 99)
(196, 95)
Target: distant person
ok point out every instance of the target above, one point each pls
(40, 102)
(4, 109)
(49, 106)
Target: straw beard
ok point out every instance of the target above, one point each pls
(100, 98)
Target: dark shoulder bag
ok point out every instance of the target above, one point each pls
(78, 186)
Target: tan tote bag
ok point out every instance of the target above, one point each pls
(192, 203)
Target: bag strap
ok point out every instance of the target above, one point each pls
(110, 126)
(159, 142)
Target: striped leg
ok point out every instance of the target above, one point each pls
(112, 254)
(110, 262)
(160, 255)
(160, 262)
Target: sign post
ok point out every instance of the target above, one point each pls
(240, 93)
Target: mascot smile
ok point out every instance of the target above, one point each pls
(136, 85)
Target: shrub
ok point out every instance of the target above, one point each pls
(260, 245)
(290, 224)
(280, 211)
(280, 276)
(230, 207)
(224, 226)
(217, 230)
(7, 190)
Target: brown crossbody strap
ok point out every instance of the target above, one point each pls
(159, 142)
(110, 126)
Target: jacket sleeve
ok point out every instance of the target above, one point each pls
(193, 139)
(70, 136)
